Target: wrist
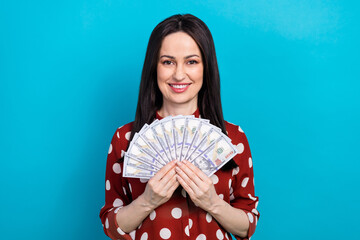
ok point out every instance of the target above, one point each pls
(217, 207)
(144, 204)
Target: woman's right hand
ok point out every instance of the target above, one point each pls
(161, 186)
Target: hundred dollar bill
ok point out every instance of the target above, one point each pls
(215, 157)
(142, 153)
(168, 130)
(141, 163)
(179, 127)
(190, 137)
(161, 139)
(140, 148)
(149, 137)
(206, 134)
(135, 172)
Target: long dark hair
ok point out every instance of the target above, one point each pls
(150, 98)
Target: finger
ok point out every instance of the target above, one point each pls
(185, 185)
(196, 170)
(187, 180)
(190, 173)
(169, 184)
(161, 173)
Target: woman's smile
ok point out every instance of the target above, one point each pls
(179, 87)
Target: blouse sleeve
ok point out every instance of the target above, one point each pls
(243, 196)
(117, 192)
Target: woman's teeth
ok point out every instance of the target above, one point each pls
(179, 86)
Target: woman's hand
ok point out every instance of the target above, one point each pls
(199, 186)
(161, 186)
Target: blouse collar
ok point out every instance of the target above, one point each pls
(196, 114)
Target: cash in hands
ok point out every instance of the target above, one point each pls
(182, 138)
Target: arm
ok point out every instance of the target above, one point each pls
(118, 197)
(243, 203)
(158, 190)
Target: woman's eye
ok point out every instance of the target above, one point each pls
(192, 62)
(166, 62)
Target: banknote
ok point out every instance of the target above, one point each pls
(214, 157)
(151, 139)
(177, 137)
(129, 170)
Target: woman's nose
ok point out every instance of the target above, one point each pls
(179, 73)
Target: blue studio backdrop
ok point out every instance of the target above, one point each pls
(70, 73)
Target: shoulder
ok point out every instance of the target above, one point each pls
(120, 139)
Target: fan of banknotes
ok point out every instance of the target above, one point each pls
(182, 138)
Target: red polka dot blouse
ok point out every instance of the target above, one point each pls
(179, 218)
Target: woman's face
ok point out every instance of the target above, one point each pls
(179, 69)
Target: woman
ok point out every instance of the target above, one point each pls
(180, 76)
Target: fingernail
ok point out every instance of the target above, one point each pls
(178, 163)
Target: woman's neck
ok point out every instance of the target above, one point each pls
(177, 109)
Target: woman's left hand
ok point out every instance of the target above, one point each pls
(199, 186)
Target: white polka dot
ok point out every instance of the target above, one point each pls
(187, 231)
(144, 236)
(120, 231)
(127, 135)
(176, 213)
(208, 217)
(219, 234)
(256, 204)
(232, 197)
(255, 211)
(107, 223)
(231, 190)
(240, 147)
(117, 168)
(117, 134)
(118, 203)
(240, 130)
(130, 187)
(251, 217)
(116, 210)
(250, 162)
(251, 197)
(183, 193)
(152, 215)
(226, 235)
(190, 223)
(229, 183)
(201, 237)
(122, 153)
(139, 226)
(235, 171)
(244, 182)
(107, 185)
(132, 234)
(165, 233)
(214, 179)
(124, 189)
(221, 196)
(256, 219)
(110, 149)
(144, 180)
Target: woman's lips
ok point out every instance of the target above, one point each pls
(179, 88)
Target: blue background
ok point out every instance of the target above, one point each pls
(69, 76)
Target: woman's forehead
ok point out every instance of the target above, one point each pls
(179, 44)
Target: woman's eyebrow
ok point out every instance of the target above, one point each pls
(167, 56)
(171, 57)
